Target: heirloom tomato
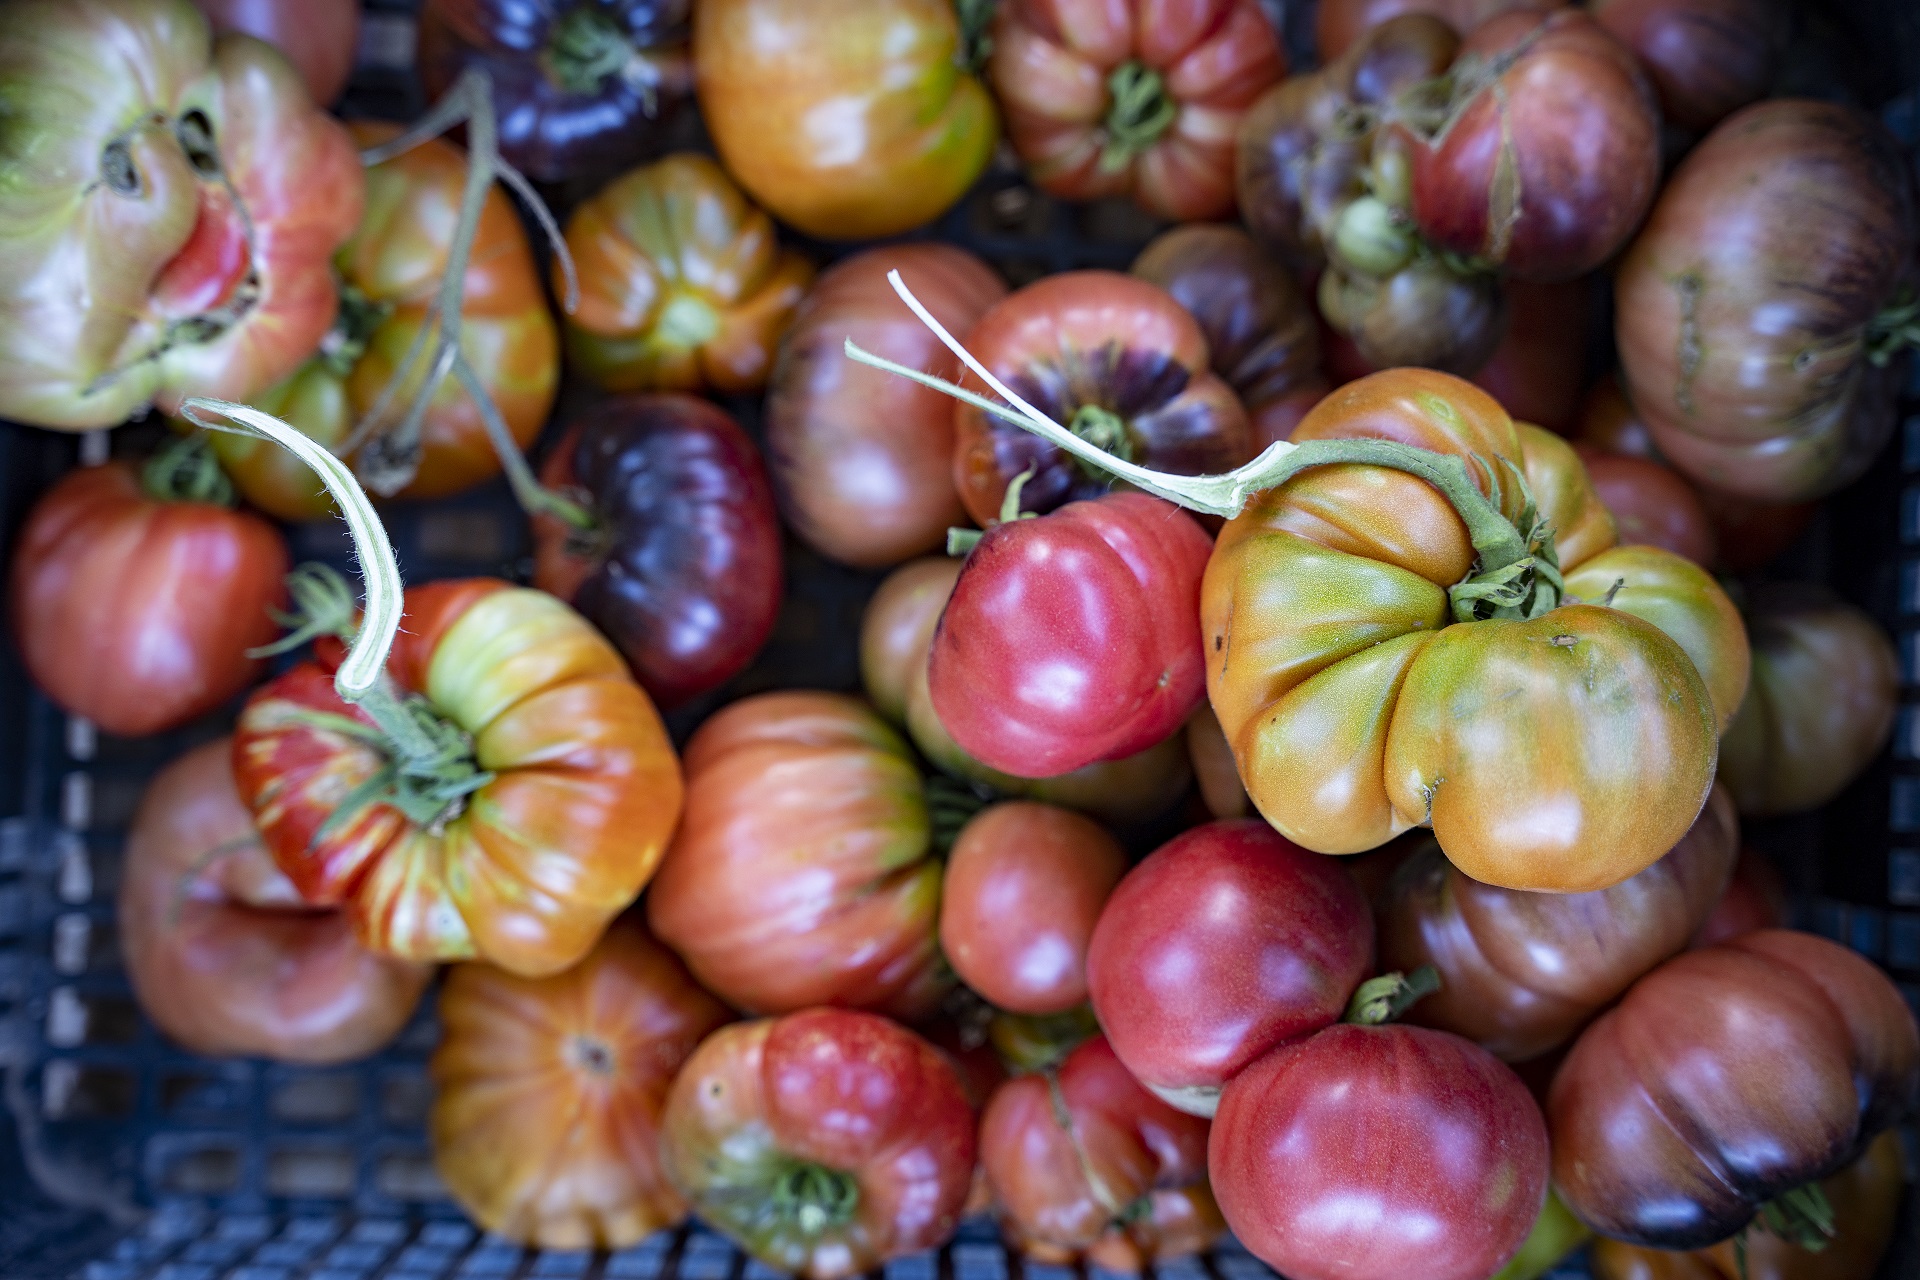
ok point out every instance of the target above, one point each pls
(804, 871)
(897, 628)
(848, 123)
(862, 459)
(317, 36)
(1763, 312)
(1024, 885)
(1073, 638)
(1117, 360)
(388, 279)
(1825, 690)
(1538, 373)
(681, 567)
(1225, 942)
(549, 1092)
(136, 595)
(823, 1143)
(1377, 1153)
(1521, 973)
(1364, 692)
(1338, 23)
(1706, 58)
(1651, 505)
(1213, 767)
(1756, 898)
(684, 285)
(1084, 1163)
(581, 86)
(544, 810)
(1725, 1081)
(169, 205)
(223, 953)
(1132, 98)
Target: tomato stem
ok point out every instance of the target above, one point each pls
(186, 471)
(1031, 1042)
(1383, 999)
(976, 33)
(1141, 110)
(814, 1197)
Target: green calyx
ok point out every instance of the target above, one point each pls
(1895, 329)
(961, 542)
(354, 325)
(586, 47)
(951, 804)
(186, 471)
(1104, 429)
(1802, 1217)
(1035, 1042)
(1141, 111)
(1381, 1000)
(976, 33)
(812, 1198)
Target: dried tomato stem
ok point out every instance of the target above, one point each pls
(1383, 999)
(186, 471)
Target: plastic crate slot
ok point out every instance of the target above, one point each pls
(320, 1172)
(405, 1097)
(72, 942)
(72, 1090)
(464, 537)
(209, 1170)
(207, 1090)
(409, 1176)
(314, 1099)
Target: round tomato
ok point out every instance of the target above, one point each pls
(1727, 1079)
(1338, 23)
(223, 953)
(169, 205)
(1706, 58)
(135, 596)
(861, 458)
(549, 1092)
(317, 36)
(1651, 505)
(804, 871)
(681, 568)
(1426, 313)
(849, 124)
(823, 1143)
(897, 628)
(1213, 766)
(544, 809)
(1756, 898)
(1538, 373)
(1225, 942)
(1521, 973)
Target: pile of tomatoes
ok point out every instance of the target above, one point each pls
(1306, 720)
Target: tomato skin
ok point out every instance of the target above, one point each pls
(1520, 973)
(1338, 23)
(1785, 1054)
(1226, 941)
(317, 36)
(1024, 885)
(849, 1092)
(1706, 58)
(1825, 691)
(848, 125)
(803, 872)
(897, 628)
(1072, 638)
(223, 953)
(550, 1092)
(1213, 766)
(685, 576)
(1538, 373)
(1068, 1156)
(1437, 1138)
(137, 613)
(861, 457)
(527, 874)
(1051, 67)
(1652, 505)
(1756, 898)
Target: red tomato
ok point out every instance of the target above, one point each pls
(1651, 505)
(317, 36)
(1706, 58)
(824, 1142)
(1225, 942)
(1025, 884)
(1073, 637)
(1539, 370)
(1338, 23)
(137, 611)
(1756, 898)
(1379, 1153)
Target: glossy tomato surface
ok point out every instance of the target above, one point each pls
(682, 569)
(1756, 898)
(824, 1142)
(1374, 1153)
(1225, 942)
(1706, 58)
(317, 36)
(1538, 373)
(550, 1092)
(896, 630)
(224, 954)
(1338, 23)
(137, 612)
(1073, 638)
(1652, 505)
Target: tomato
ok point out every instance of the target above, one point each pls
(317, 36)
(1085, 1163)
(1545, 164)
(823, 1143)
(581, 86)
(1338, 23)
(848, 124)
(134, 604)
(1374, 1153)
(1426, 314)
(223, 954)
(1259, 325)
(1651, 505)
(1756, 898)
(1225, 942)
(1213, 766)
(1521, 973)
(1025, 883)
(169, 205)
(1865, 1197)
(1726, 1079)
(1072, 638)
(578, 786)
(1118, 360)
(1133, 98)
(1706, 58)
(1562, 752)
(682, 567)
(389, 272)
(1538, 373)
(1758, 314)
(1825, 690)
(683, 283)
(549, 1092)
(862, 458)
(804, 870)
(897, 627)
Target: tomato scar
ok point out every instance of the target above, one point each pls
(211, 266)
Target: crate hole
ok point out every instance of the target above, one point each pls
(199, 1091)
(207, 1171)
(1020, 272)
(409, 1176)
(79, 1091)
(310, 1171)
(74, 1019)
(465, 537)
(405, 1098)
(316, 1099)
(1119, 222)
